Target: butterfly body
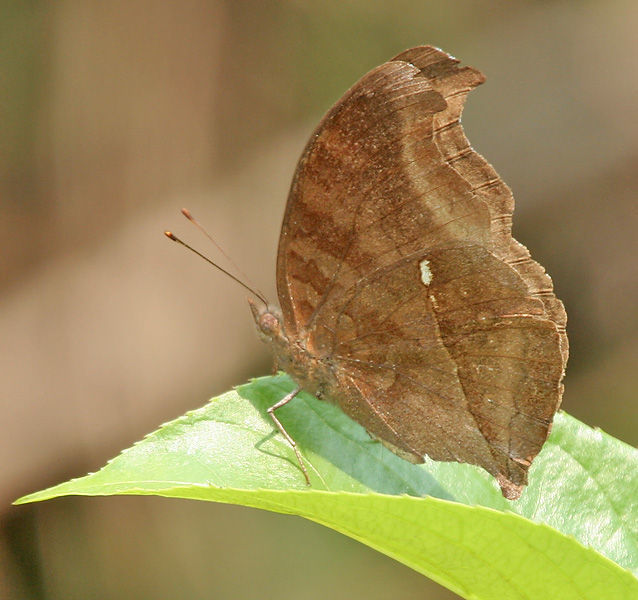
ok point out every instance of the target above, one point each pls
(311, 373)
(404, 298)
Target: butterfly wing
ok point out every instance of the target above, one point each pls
(392, 273)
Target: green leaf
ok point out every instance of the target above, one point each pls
(573, 533)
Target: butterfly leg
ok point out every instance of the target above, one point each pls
(271, 412)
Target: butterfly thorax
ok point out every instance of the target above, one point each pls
(311, 373)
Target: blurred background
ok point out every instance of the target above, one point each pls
(116, 114)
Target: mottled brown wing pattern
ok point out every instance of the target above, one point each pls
(352, 207)
(397, 270)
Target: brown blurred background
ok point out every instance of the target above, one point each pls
(116, 114)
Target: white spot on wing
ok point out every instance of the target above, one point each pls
(426, 274)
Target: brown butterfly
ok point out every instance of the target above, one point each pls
(404, 298)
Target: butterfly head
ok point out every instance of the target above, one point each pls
(268, 320)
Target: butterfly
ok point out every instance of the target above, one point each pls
(404, 298)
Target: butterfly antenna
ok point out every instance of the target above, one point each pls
(187, 213)
(173, 237)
